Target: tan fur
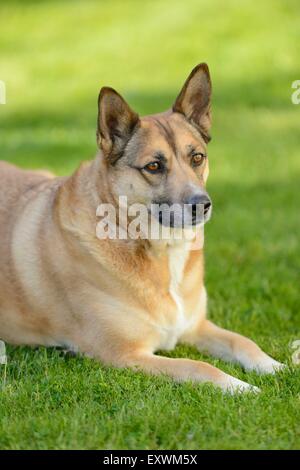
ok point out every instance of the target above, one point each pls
(117, 301)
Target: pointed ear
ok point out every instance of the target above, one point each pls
(194, 100)
(116, 122)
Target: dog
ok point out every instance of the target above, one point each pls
(119, 301)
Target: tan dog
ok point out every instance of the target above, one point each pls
(118, 300)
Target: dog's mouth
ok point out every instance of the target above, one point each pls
(181, 216)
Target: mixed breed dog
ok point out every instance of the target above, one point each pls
(120, 300)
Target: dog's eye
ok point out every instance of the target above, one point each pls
(198, 159)
(153, 167)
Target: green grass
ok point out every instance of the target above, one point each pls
(54, 57)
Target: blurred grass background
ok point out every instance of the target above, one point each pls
(54, 58)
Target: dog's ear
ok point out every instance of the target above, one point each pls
(116, 122)
(194, 99)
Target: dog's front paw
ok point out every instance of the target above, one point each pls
(267, 365)
(234, 385)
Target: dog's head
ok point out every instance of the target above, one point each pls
(160, 159)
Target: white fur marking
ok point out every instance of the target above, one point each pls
(177, 260)
(234, 385)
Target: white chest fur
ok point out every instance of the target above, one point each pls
(178, 255)
(177, 260)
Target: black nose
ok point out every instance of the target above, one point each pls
(197, 199)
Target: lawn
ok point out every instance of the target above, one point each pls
(54, 57)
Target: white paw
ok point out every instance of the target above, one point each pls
(234, 385)
(268, 366)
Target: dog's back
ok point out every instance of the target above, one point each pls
(16, 188)
(15, 185)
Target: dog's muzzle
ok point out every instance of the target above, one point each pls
(195, 211)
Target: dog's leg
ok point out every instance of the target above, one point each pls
(232, 347)
(184, 370)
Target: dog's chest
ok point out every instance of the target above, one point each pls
(178, 322)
